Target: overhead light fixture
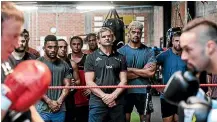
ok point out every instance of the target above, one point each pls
(27, 8)
(53, 30)
(94, 7)
(25, 2)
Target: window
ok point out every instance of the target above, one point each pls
(98, 22)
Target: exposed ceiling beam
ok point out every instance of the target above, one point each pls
(115, 3)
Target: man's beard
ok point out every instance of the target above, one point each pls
(19, 50)
(92, 47)
(61, 56)
(178, 49)
(193, 69)
(51, 57)
(136, 41)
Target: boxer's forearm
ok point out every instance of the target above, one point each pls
(143, 72)
(46, 99)
(89, 78)
(131, 75)
(123, 81)
(63, 95)
(97, 91)
(75, 73)
(64, 91)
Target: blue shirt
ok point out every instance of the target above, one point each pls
(170, 63)
(138, 58)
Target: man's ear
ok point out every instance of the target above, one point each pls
(98, 40)
(211, 47)
(43, 48)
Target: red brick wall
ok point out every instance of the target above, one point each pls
(68, 24)
(207, 10)
(158, 26)
(175, 19)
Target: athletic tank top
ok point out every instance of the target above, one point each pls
(80, 99)
(81, 63)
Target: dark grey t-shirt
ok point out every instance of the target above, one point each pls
(59, 70)
(107, 70)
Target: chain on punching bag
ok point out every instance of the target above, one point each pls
(117, 26)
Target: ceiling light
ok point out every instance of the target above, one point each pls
(94, 7)
(27, 8)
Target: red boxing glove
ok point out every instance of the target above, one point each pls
(27, 83)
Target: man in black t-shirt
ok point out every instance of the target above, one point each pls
(106, 67)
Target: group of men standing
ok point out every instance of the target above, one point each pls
(67, 69)
(132, 64)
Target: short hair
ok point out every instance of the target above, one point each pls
(177, 34)
(89, 35)
(173, 32)
(9, 10)
(50, 38)
(104, 29)
(209, 33)
(25, 31)
(62, 40)
(135, 25)
(76, 37)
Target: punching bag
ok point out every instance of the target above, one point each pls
(117, 26)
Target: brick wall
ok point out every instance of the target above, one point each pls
(71, 22)
(158, 26)
(207, 10)
(67, 24)
(176, 19)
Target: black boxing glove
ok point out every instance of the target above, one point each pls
(194, 110)
(181, 86)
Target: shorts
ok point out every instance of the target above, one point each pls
(81, 113)
(167, 109)
(139, 100)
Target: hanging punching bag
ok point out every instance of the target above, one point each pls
(117, 26)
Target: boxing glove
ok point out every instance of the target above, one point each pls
(181, 86)
(27, 83)
(194, 110)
